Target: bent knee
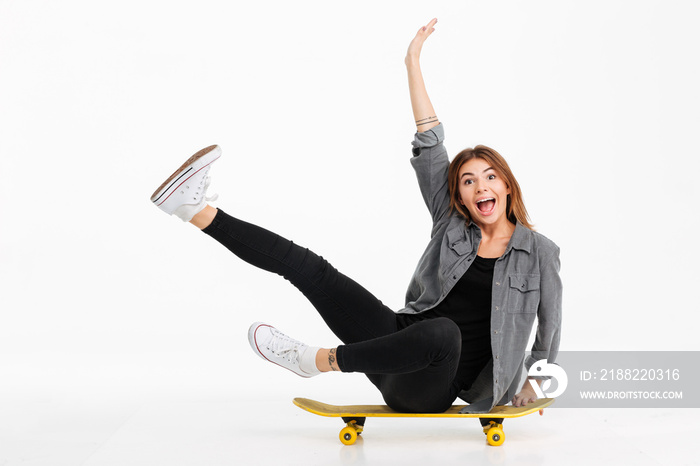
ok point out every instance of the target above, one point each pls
(441, 329)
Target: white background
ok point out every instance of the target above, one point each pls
(104, 297)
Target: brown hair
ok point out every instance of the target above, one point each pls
(515, 207)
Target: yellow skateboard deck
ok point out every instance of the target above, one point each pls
(348, 435)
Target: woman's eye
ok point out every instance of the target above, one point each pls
(468, 181)
(492, 177)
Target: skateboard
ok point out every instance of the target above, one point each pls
(354, 416)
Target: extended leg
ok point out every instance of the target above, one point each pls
(350, 311)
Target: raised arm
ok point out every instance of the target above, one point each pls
(423, 111)
(429, 155)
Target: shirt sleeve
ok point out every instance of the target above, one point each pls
(546, 344)
(431, 164)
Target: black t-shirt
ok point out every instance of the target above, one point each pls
(469, 305)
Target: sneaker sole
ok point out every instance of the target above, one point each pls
(194, 164)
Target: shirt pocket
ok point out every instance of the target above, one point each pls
(452, 252)
(523, 292)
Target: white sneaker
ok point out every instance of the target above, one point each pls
(276, 347)
(184, 193)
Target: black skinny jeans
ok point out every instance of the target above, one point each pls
(413, 366)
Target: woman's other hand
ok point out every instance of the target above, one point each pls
(414, 48)
(527, 395)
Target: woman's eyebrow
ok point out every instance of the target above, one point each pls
(472, 174)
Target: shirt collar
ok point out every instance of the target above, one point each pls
(522, 237)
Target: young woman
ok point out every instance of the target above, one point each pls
(471, 304)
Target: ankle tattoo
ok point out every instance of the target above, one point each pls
(331, 359)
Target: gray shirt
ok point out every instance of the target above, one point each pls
(526, 281)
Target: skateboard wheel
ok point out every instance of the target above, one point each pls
(495, 436)
(348, 435)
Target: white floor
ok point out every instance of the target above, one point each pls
(252, 431)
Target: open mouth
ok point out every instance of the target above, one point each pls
(486, 205)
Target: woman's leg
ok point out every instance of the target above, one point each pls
(414, 368)
(350, 311)
(425, 357)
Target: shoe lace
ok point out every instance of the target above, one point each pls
(285, 347)
(205, 185)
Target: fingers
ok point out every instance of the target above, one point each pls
(522, 400)
(414, 48)
(428, 27)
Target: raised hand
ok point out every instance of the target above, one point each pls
(414, 48)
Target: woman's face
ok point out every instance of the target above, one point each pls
(483, 191)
